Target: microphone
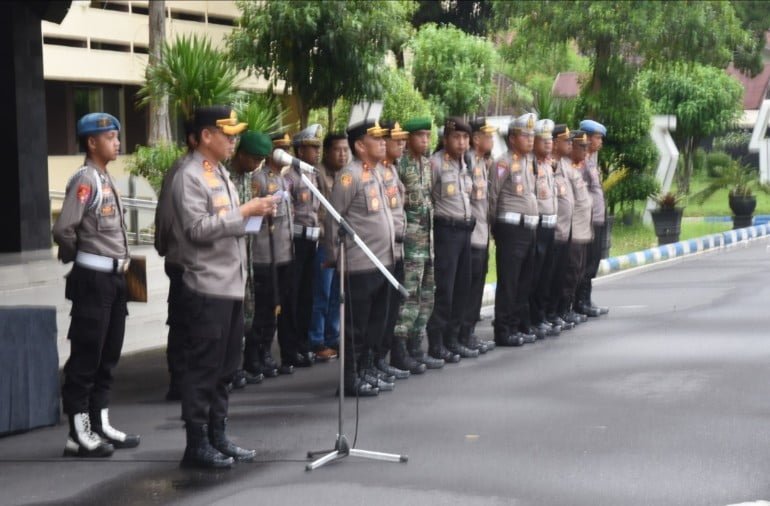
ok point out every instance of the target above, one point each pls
(285, 158)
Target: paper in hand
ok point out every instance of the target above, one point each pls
(253, 224)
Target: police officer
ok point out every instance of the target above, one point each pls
(414, 173)
(547, 207)
(453, 222)
(479, 160)
(592, 175)
(359, 195)
(167, 246)
(395, 141)
(562, 149)
(307, 147)
(209, 222)
(91, 232)
(513, 211)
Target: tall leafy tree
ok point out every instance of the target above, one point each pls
(160, 128)
(453, 69)
(322, 50)
(755, 17)
(705, 100)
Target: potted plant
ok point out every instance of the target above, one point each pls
(741, 180)
(667, 217)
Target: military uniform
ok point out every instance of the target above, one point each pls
(514, 214)
(359, 196)
(306, 234)
(595, 252)
(91, 232)
(167, 246)
(543, 267)
(453, 223)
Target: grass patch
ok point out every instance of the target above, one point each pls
(717, 205)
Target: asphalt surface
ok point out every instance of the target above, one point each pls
(663, 402)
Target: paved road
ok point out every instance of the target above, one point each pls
(663, 402)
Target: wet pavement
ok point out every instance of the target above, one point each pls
(663, 402)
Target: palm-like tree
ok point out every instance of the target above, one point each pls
(262, 112)
(192, 73)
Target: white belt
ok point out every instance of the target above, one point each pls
(310, 233)
(511, 218)
(531, 222)
(548, 220)
(100, 263)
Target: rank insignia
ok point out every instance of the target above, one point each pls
(375, 204)
(346, 180)
(450, 189)
(388, 175)
(83, 193)
(519, 188)
(207, 165)
(393, 202)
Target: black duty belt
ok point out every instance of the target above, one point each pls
(441, 221)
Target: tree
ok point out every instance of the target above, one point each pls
(453, 70)
(160, 128)
(192, 73)
(755, 17)
(321, 50)
(470, 16)
(705, 100)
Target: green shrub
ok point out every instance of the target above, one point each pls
(716, 161)
(152, 163)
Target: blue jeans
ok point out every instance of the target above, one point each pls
(325, 317)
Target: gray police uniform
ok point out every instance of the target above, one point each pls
(596, 250)
(479, 242)
(359, 196)
(210, 230)
(167, 246)
(453, 223)
(514, 213)
(91, 231)
(265, 182)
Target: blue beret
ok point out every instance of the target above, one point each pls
(591, 127)
(96, 123)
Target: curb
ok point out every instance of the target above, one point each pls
(680, 249)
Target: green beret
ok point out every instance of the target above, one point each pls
(255, 143)
(415, 124)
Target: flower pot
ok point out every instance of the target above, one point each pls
(668, 224)
(743, 209)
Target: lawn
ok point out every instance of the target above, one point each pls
(717, 205)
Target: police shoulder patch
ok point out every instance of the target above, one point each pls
(83, 193)
(346, 179)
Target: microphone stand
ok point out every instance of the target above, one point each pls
(342, 447)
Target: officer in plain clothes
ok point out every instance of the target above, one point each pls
(209, 222)
(514, 214)
(453, 222)
(91, 232)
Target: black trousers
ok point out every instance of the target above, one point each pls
(96, 338)
(472, 312)
(366, 313)
(175, 342)
(265, 322)
(593, 257)
(452, 275)
(542, 274)
(394, 307)
(513, 257)
(569, 267)
(213, 333)
(302, 301)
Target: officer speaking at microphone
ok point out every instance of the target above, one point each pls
(91, 231)
(210, 224)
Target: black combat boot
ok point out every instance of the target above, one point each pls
(199, 453)
(454, 346)
(219, 441)
(100, 423)
(82, 441)
(401, 359)
(390, 370)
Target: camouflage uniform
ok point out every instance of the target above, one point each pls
(243, 183)
(418, 250)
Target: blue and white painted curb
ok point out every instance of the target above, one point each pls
(676, 250)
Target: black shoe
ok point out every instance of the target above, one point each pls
(100, 424)
(253, 378)
(427, 360)
(447, 356)
(356, 386)
(540, 330)
(516, 339)
(571, 318)
(370, 376)
(240, 381)
(397, 373)
(602, 309)
(84, 442)
(305, 359)
(587, 310)
(553, 331)
(400, 359)
(555, 321)
(286, 369)
(463, 351)
(220, 442)
(200, 454)
(528, 337)
(491, 345)
(374, 371)
(267, 364)
(474, 343)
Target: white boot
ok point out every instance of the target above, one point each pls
(82, 441)
(118, 439)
